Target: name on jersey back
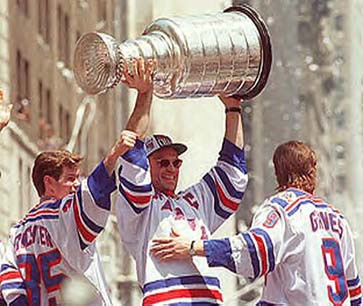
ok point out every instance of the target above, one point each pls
(33, 234)
(326, 221)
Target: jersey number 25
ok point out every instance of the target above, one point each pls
(37, 270)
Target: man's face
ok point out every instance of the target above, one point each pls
(66, 184)
(164, 166)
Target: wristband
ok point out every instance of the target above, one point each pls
(233, 110)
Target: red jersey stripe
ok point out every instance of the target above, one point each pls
(182, 293)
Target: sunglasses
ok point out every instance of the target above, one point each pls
(164, 163)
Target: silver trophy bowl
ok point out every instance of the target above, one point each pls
(227, 53)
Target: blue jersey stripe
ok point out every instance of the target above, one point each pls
(297, 192)
(219, 253)
(51, 205)
(270, 247)
(101, 185)
(19, 301)
(184, 280)
(88, 222)
(253, 254)
(136, 188)
(280, 202)
(41, 217)
(357, 302)
(212, 187)
(353, 282)
(308, 201)
(81, 243)
(137, 155)
(193, 304)
(227, 183)
(233, 155)
(262, 303)
(12, 285)
(6, 266)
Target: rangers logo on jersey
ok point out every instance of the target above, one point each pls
(271, 219)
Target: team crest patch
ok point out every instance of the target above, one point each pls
(288, 196)
(271, 219)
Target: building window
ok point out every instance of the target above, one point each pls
(64, 123)
(60, 118)
(22, 103)
(63, 37)
(68, 126)
(21, 186)
(23, 6)
(44, 20)
(101, 10)
(41, 112)
(341, 184)
(49, 107)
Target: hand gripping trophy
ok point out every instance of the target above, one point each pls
(226, 53)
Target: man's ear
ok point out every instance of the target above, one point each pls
(48, 184)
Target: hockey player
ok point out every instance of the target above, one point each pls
(148, 206)
(56, 239)
(301, 244)
(10, 270)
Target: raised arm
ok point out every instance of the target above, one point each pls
(140, 78)
(234, 125)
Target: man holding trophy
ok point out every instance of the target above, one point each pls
(229, 55)
(148, 206)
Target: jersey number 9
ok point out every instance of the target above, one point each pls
(334, 269)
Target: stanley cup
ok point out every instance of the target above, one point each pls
(226, 53)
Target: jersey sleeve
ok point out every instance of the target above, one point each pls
(135, 196)
(353, 279)
(220, 192)
(75, 221)
(12, 287)
(255, 252)
(135, 180)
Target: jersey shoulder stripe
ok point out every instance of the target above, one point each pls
(292, 199)
(222, 212)
(47, 210)
(224, 180)
(137, 209)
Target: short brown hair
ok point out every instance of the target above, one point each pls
(51, 163)
(295, 166)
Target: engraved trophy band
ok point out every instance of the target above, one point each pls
(226, 53)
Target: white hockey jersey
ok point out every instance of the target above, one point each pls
(9, 271)
(195, 212)
(304, 248)
(56, 240)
